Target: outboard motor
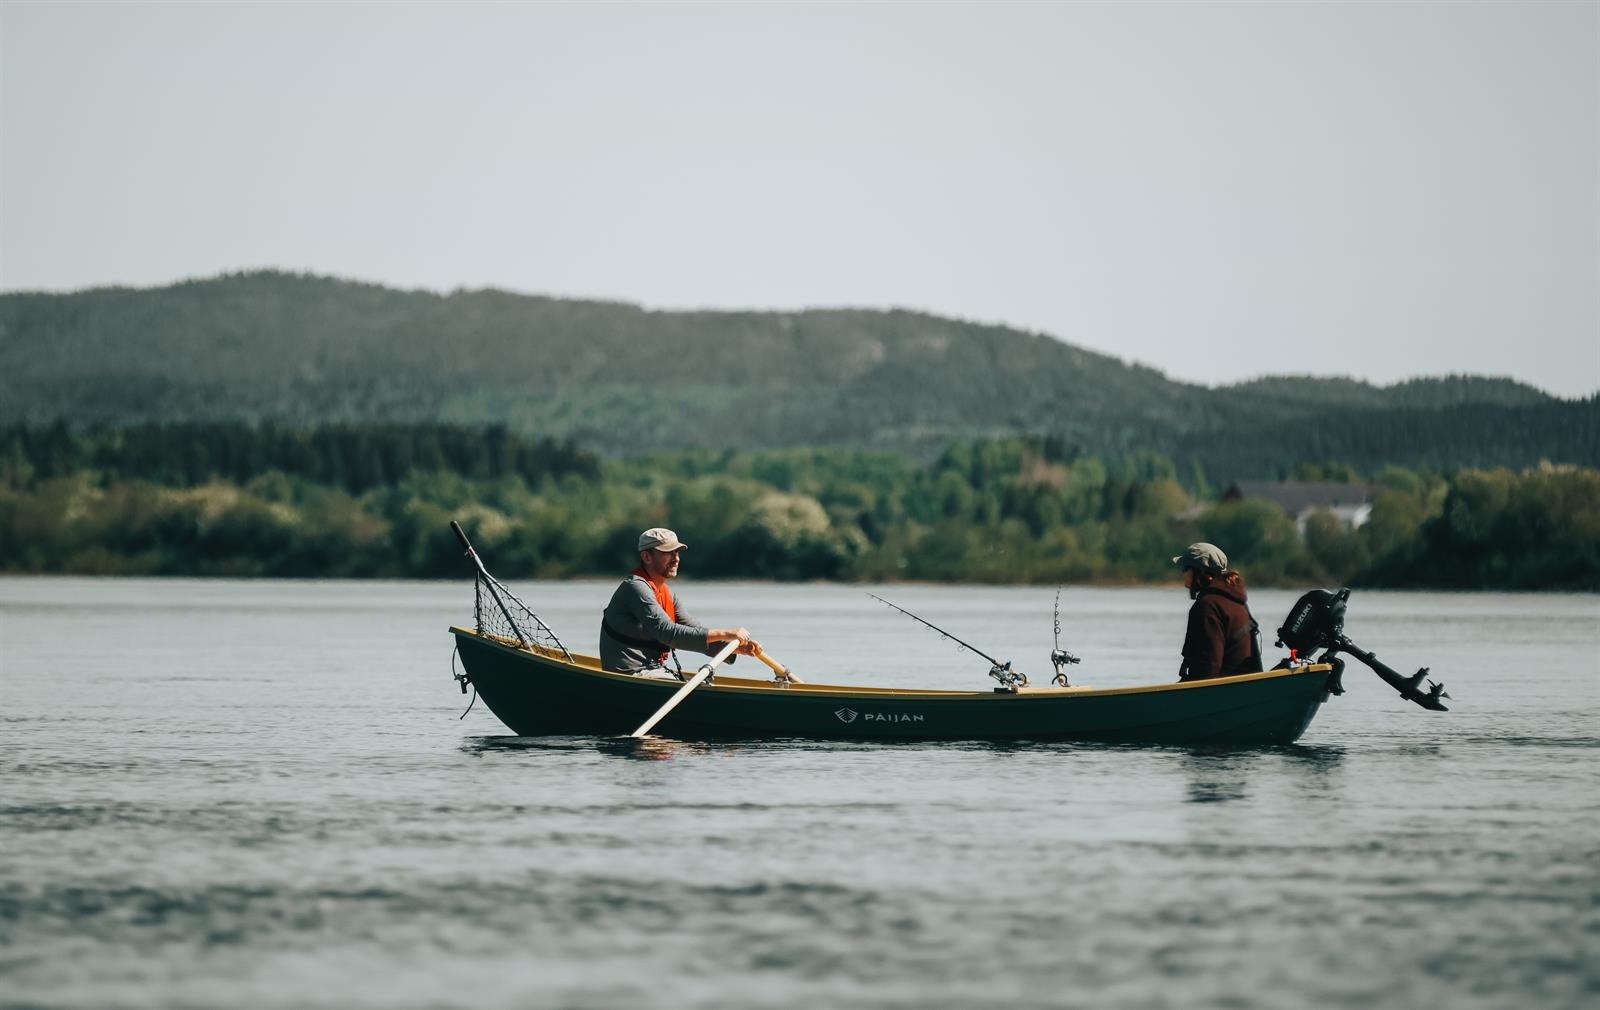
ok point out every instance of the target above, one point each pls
(1316, 621)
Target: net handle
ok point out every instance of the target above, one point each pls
(488, 583)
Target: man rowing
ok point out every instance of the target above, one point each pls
(644, 622)
(1222, 639)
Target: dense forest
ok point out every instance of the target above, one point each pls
(306, 352)
(279, 424)
(375, 500)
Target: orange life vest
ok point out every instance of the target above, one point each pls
(663, 594)
(663, 597)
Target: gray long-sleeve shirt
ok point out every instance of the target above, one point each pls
(635, 613)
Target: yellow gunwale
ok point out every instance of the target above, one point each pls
(739, 685)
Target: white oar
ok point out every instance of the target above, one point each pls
(683, 692)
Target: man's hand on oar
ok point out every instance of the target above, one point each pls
(746, 646)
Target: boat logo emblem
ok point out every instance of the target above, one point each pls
(845, 714)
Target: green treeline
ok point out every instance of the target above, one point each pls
(375, 501)
(1445, 437)
(349, 457)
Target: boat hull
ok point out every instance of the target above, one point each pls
(537, 695)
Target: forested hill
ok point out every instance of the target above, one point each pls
(307, 350)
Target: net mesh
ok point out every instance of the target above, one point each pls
(501, 614)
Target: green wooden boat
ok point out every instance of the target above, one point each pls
(539, 687)
(537, 690)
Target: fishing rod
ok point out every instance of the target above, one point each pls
(1060, 657)
(1009, 679)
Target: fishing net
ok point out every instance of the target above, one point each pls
(501, 614)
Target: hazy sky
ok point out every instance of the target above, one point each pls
(1218, 190)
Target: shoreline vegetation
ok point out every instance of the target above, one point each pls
(375, 500)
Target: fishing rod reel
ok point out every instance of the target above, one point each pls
(1009, 679)
(1316, 621)
(1062, 659)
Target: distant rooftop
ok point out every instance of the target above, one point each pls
(1300, 498)
(1297, 497)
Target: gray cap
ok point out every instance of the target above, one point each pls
(1206, 557)
(659, 538)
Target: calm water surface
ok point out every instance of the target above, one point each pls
(259, 794)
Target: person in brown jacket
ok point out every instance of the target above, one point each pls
(1222, 639)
